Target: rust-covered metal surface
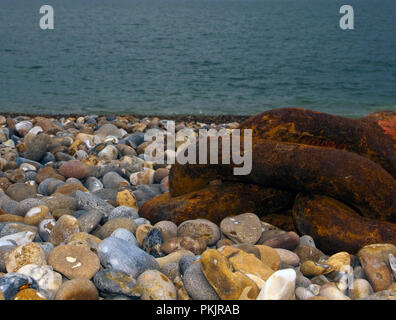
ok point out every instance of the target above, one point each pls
(343, 175)
(217, 202)
(336, 227)
(371, 139)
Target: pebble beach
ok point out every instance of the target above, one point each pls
(72, 226)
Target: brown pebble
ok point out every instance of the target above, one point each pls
(34, 216)
(64, 228)
(29, 294)
(107, 229)
(77, 289)
(288, 241)
(74, 261)
(30, 253)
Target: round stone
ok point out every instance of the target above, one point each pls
(123, 212)
(167, 228)
(110, 282)
(89, 220)
(74, 169)
(288, 257)
(74, 261)
(127, 198)
(34, 216)
(331, 292)
(309, 253)
(29, 294)
(118, 254)
(77, 289)
(200, 229)
(154, 285)
(289, 240)
(47, 279)
(21, 191)
(85, 239)
(174, 257)
(196, 246)
(361, 289)
(307, 240)
(64, 228)
(30, 253)
(126, 235)
(243, 228)
(279, 286)
(108, 228)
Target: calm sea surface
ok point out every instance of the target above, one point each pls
(197, 56)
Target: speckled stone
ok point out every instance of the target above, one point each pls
(74, 261)
(85, 239)
(64, 228)
(107, 229)
(200, 229)
(112, 283)
(167, 228)
(196, 246)
(309, 253)
(89, 220)
(75, 169)
(30, 253)
(154, 285)
(197, 285)
(142, 231)
(77, 289)
(243, 228)
(123, 212)
(152, 243)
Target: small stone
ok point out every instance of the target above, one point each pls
(89, 220)
(269, 257)
(303, 293)
(243, 228)
(47, 279)
(152, 243)
(331, 292)
(30, 253)
(288, 257)
(20, 238)
(21, 191)
(29, 294)
(382, 295)
(154, 285)
(118, 254)
(108, 153)
(228, 285)
(200, 229)
(34, 216)
(143, 177)
(301, 280)
(45, 228)
(374, 259)
(269, 234)
(224, 242)
(279, 286)
(87, 201)
(68, 188)
(142, 231)
(196, 284)
(185, 262)
(160, 174)
(339, 261)
(74, 261)
(311, 268)
(247, 263)
(48, 172)
(168, 229)
(309, 253)
(77, 289)
(112, 180)
(126, 198)
(110, 283)
(64, 228)
(174, 257)
(107, 229)
(123, 211)
(361, 289)
(37, 147)
(23, 127)
(75, 169)
(93, 184)
(10, 218)
(307, 240)
(196, 246)
(288, 241)
(85, 239)
(126, 235)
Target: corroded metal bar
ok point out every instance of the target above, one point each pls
(217, 202)
(343, 175)
(335, 227)
(370, 139)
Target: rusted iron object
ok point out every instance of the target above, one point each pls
(335, 227)
(217, 202)
(343, 175)
(370, 139)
